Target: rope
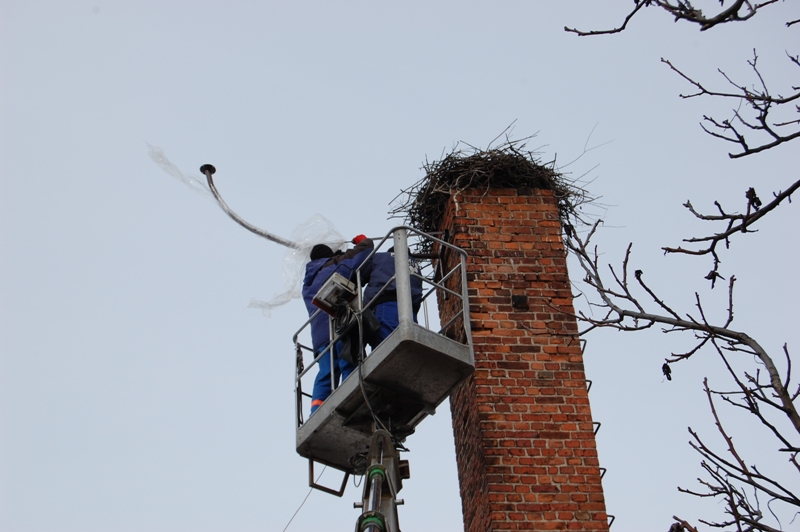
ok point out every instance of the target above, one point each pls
(304, 500)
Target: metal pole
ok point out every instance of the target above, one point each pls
(331, 347)
(402, 274)
(375, 493)
(465, 302)
(377, 476)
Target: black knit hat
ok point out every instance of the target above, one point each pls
(321, 251)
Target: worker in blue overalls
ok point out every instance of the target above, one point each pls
(378, 273)
(324, 263)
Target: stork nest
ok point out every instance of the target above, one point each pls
(509, 165)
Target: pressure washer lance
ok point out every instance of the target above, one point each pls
(209, 170)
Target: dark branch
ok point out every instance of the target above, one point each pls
(735, 223)
(760, 101)
(739, 11)
(639, 5)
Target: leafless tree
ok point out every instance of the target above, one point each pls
(761, 120)
(628, 303)
(773, 118)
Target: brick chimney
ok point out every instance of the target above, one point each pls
(523, 428)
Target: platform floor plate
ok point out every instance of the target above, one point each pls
(405, 379)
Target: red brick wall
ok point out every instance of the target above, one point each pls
(522, 423)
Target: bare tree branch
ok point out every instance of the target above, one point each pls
(739, 11)
(735, 223)
(639, 5)
(769, 132)
(762, 397)
(760, 100)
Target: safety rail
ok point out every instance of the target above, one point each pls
(438, 280)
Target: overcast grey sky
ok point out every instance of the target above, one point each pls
(138, 391)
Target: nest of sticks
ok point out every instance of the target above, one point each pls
(509, 165)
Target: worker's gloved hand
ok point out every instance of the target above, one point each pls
(358, 239)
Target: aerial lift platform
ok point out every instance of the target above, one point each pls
(401, 382)
(361, 426)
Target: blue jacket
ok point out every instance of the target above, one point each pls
(317, 272)
(378, 272)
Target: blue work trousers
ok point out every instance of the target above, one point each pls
(322, 384)
(387, 315)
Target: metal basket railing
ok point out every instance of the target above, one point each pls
(443, 274)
